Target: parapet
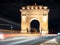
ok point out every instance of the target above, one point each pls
(35, 7)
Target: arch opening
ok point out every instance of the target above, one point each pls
(34, 26)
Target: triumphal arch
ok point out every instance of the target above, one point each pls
(38, 14)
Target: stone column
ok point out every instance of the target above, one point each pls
(23, 28)
(23, 24)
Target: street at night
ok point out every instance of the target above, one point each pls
(29, 22)
(11, 16)
(30, 40)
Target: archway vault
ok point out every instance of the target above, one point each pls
(30, 13)
(34, 26)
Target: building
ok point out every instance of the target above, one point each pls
(35, 13)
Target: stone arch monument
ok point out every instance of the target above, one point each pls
(29, 13)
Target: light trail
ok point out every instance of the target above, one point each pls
(5, 20)
(6, 24)
(23, 41)
(14, 38)
(27, 40)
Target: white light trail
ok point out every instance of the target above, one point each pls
(5, 20)
(26, 40)
(14, 38)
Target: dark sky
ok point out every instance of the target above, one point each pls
(9, 9)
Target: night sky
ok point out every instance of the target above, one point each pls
(9, 9)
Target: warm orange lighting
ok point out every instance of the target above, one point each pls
(36, 7)
(23, 7)
(35, 12)
(40, 7)
(28, 7)
(32, 7)
(44, 32)
(45, 7)
(44, 18)
(23, 18)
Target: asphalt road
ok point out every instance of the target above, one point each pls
(32, 40)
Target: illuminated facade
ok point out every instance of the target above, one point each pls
(30, 13)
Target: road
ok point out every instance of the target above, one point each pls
(28, 40)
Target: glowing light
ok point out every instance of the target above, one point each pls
(23, 41)
(44, 18)
(1, 36)
(45, 7)
(23, 18)
(32, 7)
(44, 32)
(5, 20)
(40, 7)
(23, 7)
(28, 7)
(36, 7)
(52, 41)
